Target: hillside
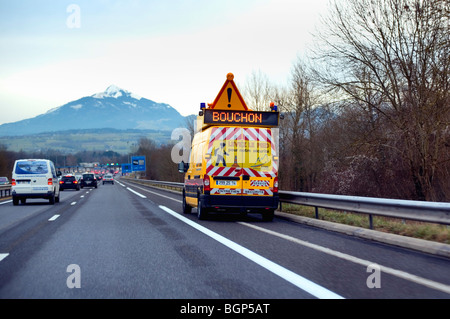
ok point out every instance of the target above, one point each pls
(72, 141)
(114, 108)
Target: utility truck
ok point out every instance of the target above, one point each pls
(233, 161)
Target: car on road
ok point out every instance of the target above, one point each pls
(88, 180)
(108, 178)
(34, 178)
(4, 181)
(69, 182)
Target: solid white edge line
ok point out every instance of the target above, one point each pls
(149, 191)
(7, 201)
(295, 279)
(395, 272)
(53, 218)
(3, 256)
(133, 191)
(388, 270)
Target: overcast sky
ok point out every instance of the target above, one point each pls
(172, 51)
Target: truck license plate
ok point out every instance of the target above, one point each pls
(226, 183)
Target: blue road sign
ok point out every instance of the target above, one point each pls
(138, 163)
(126, 168)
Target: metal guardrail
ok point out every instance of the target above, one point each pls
(432, 212)
(5, 190)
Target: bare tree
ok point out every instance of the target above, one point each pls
(391, 59)
(301, 159)
(257, 91)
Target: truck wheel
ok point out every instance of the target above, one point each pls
(51, 200)
(202, 211)
(186, 208)
(15, 201)
(268, 216)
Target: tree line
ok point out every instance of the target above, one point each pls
(7, 158)
(368, 109)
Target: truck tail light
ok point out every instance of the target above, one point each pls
(50, 181)
(206, 183)
(13, 182)
(275, 185)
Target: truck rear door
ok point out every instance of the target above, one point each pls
(241, 161)
(223, 161)
(259, 166)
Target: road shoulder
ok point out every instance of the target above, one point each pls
(434, 248)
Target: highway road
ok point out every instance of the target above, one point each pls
(128, 241)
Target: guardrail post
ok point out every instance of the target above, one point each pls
(370, 221)
(317, 212)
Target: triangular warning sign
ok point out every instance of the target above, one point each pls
(229, 97)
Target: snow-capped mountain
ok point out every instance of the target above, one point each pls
(114, 108)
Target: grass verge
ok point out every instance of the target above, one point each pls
(427, 231)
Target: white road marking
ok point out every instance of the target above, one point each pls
(73, 203)
(365, 263)
(53, 218)
(149, 191)
(8, 201)
(297, 280)
(139, 194)
(3, 256)
(395, 272)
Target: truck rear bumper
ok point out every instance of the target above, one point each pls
(240, 203)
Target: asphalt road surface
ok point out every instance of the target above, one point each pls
(127, 241)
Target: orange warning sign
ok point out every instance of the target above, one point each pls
(229, 97)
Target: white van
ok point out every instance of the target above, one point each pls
(34, 178)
